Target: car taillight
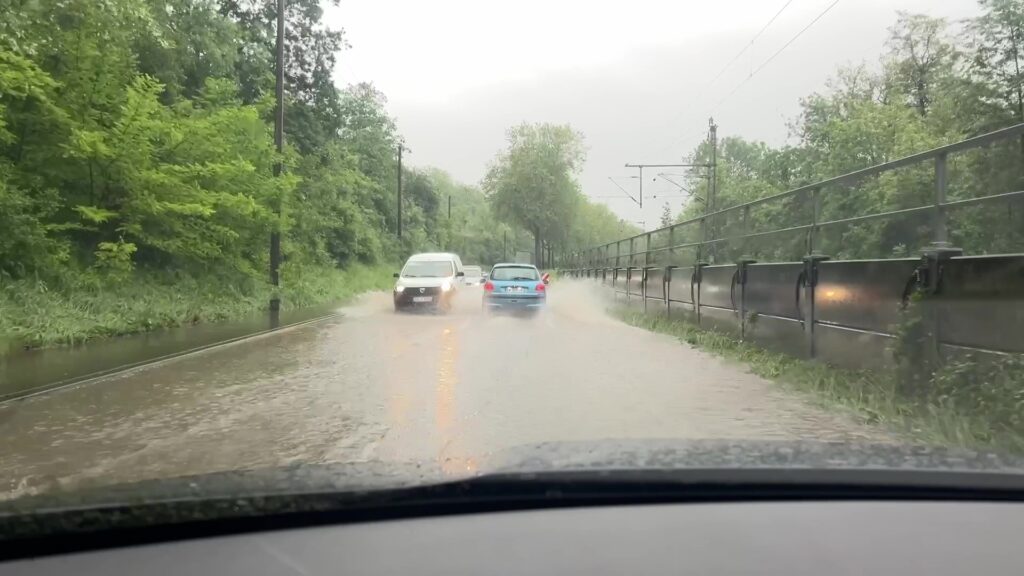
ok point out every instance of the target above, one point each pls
(488, 287)
(540, 287)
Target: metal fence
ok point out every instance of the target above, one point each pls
(694, 241)
(847, 312)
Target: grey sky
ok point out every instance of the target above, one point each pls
(633, 77)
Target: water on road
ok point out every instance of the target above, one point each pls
(379, 386)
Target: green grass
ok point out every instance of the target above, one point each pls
(986, 411)
(84, 306)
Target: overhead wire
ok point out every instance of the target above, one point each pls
(776, 54)
(749, 44)
(725, 68)
(624, 191)
(762, 66)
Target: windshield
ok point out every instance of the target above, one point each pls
(738, 222)
(428, 269)
(514, 273)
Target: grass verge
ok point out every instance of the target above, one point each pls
(969, 419)
(35, 314)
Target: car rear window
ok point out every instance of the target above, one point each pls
(427, 269)
(515, 273)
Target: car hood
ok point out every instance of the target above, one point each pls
(605, 457)
(423, 282)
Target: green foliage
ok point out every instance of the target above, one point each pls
(532, 183)
(136, 149)
(932, 89)
(997, 59)
(84, 306)
(115, 258)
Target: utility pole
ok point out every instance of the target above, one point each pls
(713, 136)
(709, 206)
(449, 206)
(641, 186)
(275, 234)
(399, 225)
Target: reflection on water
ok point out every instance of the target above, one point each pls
(27, 371)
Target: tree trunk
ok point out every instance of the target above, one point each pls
(538, 250)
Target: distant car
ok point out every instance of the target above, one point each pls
(428, 281)
(474, 275)
(514, 287)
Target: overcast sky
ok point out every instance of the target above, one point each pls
(635, 77)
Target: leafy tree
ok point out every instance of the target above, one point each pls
(666, 215)
(532, 183)
(998, 44)
(920, 58)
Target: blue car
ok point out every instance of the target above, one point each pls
(514, 287)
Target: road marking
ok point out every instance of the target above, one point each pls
(445, 411)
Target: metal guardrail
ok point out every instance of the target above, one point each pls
(603, 256)
(848, 313)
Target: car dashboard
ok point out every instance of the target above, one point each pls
(802, 537)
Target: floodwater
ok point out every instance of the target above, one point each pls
(25, 372)
(373, 385)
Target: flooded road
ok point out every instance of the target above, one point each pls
(378, 386)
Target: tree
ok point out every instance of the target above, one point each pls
(532, 183)
(998, 44)
(920, 58)
(666, 215)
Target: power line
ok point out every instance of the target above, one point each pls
(777, 52)
(760, 67)
(731, 62)
(749, 44)
(623, 189)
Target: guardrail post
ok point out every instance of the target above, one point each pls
(631, 249)
(809, 282)
(629, 279)
(746, 230)
(643, 285)
(741, 282)
(671, 244)
(933, 261)
(618, 254)
(815, 218)
(666, 282)
(698, 277)
(703, 239)
(941, 234)
(647, 251)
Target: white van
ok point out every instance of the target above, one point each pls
(428, 281)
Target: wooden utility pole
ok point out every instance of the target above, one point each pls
(275, 234)
(399, 225)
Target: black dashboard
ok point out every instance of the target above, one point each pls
(779, 537)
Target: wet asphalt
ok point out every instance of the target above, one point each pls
(377, 386)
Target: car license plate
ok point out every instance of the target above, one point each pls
(422, 298)
(514, 289)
